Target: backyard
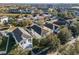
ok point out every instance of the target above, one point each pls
(3, 43)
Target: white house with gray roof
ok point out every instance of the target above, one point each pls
(23, 38)
(38, 31)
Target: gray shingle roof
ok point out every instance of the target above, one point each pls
(37, 29)
(19, 33)
(49, 25)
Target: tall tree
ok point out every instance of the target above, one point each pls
(64, 35)
(51, 41)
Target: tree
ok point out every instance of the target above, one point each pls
(17, 50)
(54, 41)
(67, 50)
(70, 14)
(27, 22)
(22, 23)
(70, 49)
(0, 40)
(51, 41)
(61, 15)
(41, 22)
(35, 42)
(74, 29)
(64, 35)
(52, 11)
(40, 11)
(65, 13)
(77, 27)
(3, 43)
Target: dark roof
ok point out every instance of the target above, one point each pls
(56, 30)
(17, 33)
(56, 27)
(61, 22)
(36, 29)
(20, 33)
(18, 11)
(29, 28)
(49, 25)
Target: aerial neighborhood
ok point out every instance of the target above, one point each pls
(39, 29)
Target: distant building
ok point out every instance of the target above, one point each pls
(60, 22)
(22, 11)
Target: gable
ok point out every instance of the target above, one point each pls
(49, 25)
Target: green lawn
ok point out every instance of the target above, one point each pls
(4, 43)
